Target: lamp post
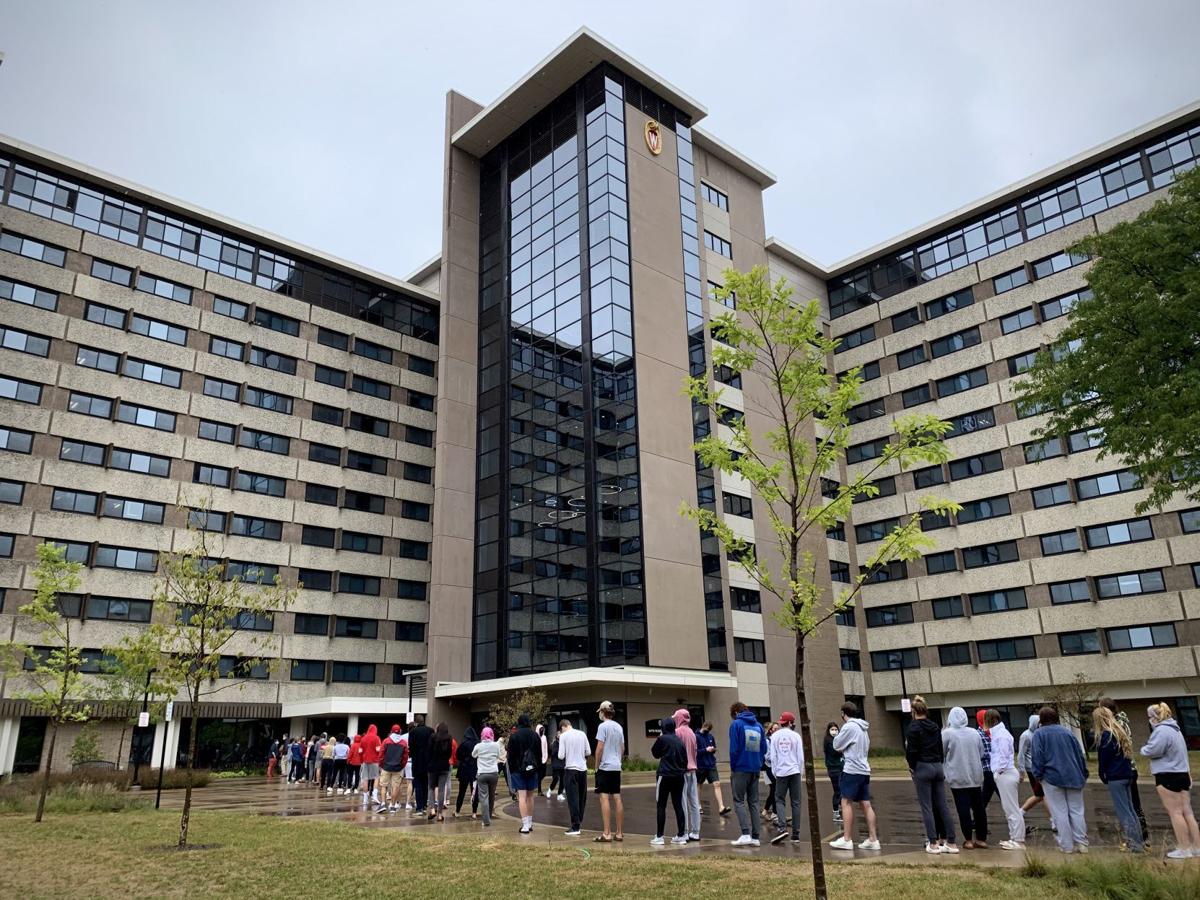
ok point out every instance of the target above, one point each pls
(137, 760)
(903, 698)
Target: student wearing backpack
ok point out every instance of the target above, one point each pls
(522, 751)
(746, 746)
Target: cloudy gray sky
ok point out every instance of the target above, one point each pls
(324, 121)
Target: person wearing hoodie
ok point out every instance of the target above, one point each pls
(394, 756)
(311, 755)
(558, 770)
(574, 748)
(1007, 778)
(1024, 751)
(1123, 720)
(486, 754)
(963, 766)
(1167, 752)
(787, 762)
(297, 772)
(746, 745)
(521, 754)
(419, 738)
(341, 753)
(691, 787)
(854, 744)
(672, 767)
(1057, 761)
(467, 772)
(372, 756)
(354, 764)
(989, 781)
(1114, 765)
(833, 768)
(610, 754)
(706, 765)
(441, 756)
(923, 751)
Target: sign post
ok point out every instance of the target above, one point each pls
(162, 759)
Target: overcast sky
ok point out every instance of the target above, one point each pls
(324, 121)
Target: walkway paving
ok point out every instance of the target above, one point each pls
(900, 829)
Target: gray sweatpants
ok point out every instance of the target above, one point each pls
(745, 801)
(487, 794)
(691, 802)
(788, 785)
(1066, 812)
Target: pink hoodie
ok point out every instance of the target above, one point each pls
(684, 732)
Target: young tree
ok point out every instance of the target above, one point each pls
(57, 687)
(86, 746)
(504, 713)
(207, 604)
(130, 668)
(1075, 700)
(782, 352)
(1128, 363)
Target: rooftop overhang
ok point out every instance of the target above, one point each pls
(582, 52)
(593, 676)
(362, 706)
(790, 254)
(737, 161)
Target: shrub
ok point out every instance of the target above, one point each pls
(20, 795)
(1128, 878)
(87, 745)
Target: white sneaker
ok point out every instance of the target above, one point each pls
(679, 839)
(408, 806)
(562, 796)
(949, 848)
(932, 848)
(694, 836)
(743, 841)
(1011, 845)
(869, 844)
(842, 844)
(755, 842)
(549, 794)
(657, 841)
(1179, 853)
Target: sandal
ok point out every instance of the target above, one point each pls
(602, 839)
(618, 837)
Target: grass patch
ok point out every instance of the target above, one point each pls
(1125, 878)
(258, 856)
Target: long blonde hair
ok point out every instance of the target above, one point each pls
(1104, 720)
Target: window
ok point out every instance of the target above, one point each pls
(891, 660)
(146, 463)
(863, 412)
(906, 319)
(420, 365)
(1051, 495)
(928, 477)
(1021, 363)
(251, 526)
(1130, 584)
(963, 381)
(883, 616)
(990, 554)
(216, 431)
(312, 623)
(972, 466)
(24, 342)
(1060, 542)
(315, 536)
(413, 549)
(335, 339)
(308, 670)
(1079, 441)
(944, 305)
(160, 331)
(907, 358)
(17, 441)
(11, 242)
(839, 571)
(333, 377)
(955, 654)
(1060, 306)
(369, 424)
(11, 491)
(1036, 451)
(837, 532)
(20, 390)
(710, 194)
(410, 631)
(107, 271)
(1103, 485)
(29, 295)
(851, 661)
(931, 521)
(264, 440)
(270, 359)
(134, 510)
(1059, 262)
(73, 551)
(251, 572)
(316, 580)
(422, 437)
(844, 617)
(1009, 280)
(358, 584)
(80, 452)
(208, 520)
(237, 667)
(161, 287)
(952, 343)
(947, 607)
(366, 462)
(372, 351)
(74, 501)
(226, 348)
(91, 358)
(221, 389)
(324, 453)
(321, 493)
(737, 505)
(419, 400)
(251, 621)
(89, 405)
(1128, 532)
(857, 338)
(875, 531)
(1018, 321)
(145, 416)
(749, 650)
(407, 589)
(728, 376)
(410, 509)
(1142, 637)
(868, 450)
(255, 483)
(1075, 591)
(153, 372)
(265, 399)
(1189, 521)
(967, 423)
(998, 601)
(867, 372)
(745, 600)
(218, 476)
(277, 322)
(915, 396)
(718, 245)
(1077, 643)
(937, 563)
(978, 510)
(230, 308)
(350, 626)
(371, 387)
(330, 415)
(1006, 649)
(362, 543)
(375, 503)
(118, 609)
(896, 570)
(125, 558)
(6, 545)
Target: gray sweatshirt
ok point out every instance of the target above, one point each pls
(1025, 745)
(487, 753)
(1166, 749)
(854, 744)
(964, 752)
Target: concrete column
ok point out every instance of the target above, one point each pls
(173, 742)
(351, 725)
(171, 732)
(296, 727)
(9, 730)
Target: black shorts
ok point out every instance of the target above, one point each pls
(1175, 782)
(707, 776)
(608, 782)
(1037, 787)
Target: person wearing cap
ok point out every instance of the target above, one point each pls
(574, 749)
(787, 763)
(487, 774)
(610, 751)
(395, 756)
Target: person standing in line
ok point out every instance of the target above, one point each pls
(1123, 720)
(328, 767)
(557, 767)
(544, 758)
(372, 756)
(769, 806)
(296, 753)
(989, 781)
(521, 753)
(1114, 765)
(962, 747)
(1024, 758)
(354, 764)
(610, 753)
(747, 743)
(441, 752)
(486, 754)
(394, 754)
(1007, 778)
(310, 760)
(706, 765)
(285, 757)
(672, 766)
(467, 772)
(408, 793)
(1058, 763)
(854, 744)
(418, 751)
(833, 768)
(925, 756)
(574, 749)
(691, 787)
(341, 753)
(787, 762)
(272, 759)
(1167, 752)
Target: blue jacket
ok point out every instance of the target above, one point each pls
(704, 759)
(1111, 763)
(1057, 758)
(742, 759)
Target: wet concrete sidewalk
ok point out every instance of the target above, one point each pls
(899, 825)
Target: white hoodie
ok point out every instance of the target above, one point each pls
(787, 753)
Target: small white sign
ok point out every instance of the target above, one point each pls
(143, 719)
(171, 709)
(905, 705)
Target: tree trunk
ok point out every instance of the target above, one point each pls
(46, 775)
(121, 744)
(185, 817)
(820, 889)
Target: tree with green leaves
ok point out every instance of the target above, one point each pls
(795, 435)
(51, 675)
(131, 668)
(1127, 364)
(207, 603)
(86, 746)
(503, 713)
